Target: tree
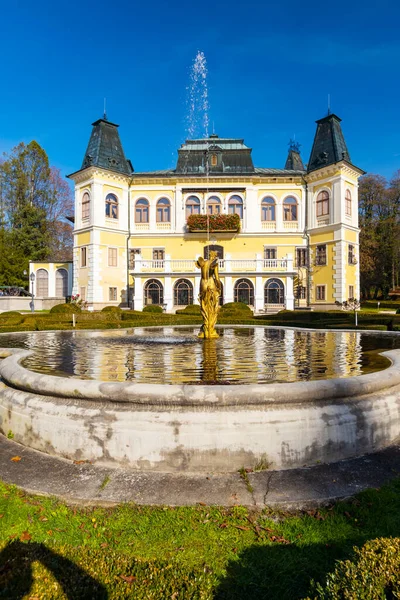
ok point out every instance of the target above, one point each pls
(34, 201)
(379, 211)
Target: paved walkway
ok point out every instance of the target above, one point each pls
(291, 489)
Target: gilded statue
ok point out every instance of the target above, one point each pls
(210, 291)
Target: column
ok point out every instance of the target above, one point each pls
(228, 290)
(168, 296)
(138, 296)
(289, 293)
(259, 294)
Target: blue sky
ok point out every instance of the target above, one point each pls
(271, 66)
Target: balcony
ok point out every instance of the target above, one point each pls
(227, 266)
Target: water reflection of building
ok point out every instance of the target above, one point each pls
(251, 355)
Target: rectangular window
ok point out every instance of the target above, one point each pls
(113, 257)
(320, 292)
(351, 255)
(320, 255)
(112, 294)
(301, 292)
(269, 253)
(83, 257)
(83, 294)
(351, 292)
(301, 257)
(132, 253)
(158, 254)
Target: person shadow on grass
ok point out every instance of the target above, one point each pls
(16, 576)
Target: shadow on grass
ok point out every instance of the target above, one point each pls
(16, 576)
(284, 572)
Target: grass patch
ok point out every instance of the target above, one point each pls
(182, 553)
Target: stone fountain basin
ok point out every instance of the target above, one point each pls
(205, 428)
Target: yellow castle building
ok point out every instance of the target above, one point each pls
(286, 238)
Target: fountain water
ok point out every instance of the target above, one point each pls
(198, 102)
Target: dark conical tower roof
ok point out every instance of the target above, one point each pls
(294, 161)
(105, 149)
(329, 145)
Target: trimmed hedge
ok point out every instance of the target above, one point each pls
(112, 309)
(390, 304)
(191, 309)
(10, 313)
(65, 308)
(153, 308)
(373, 574)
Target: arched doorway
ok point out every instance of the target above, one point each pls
(153, 292)
(61, 283)
(274, 292)
(183, 293)
(42, 283)
(243, 291)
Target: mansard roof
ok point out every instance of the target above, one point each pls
(329, 145)
(232, 156)
(105, 149)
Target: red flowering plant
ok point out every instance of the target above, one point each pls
(229, 222)
(76, 299)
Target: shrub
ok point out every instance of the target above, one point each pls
(65, 308)
(112, 309)
(236, 307)
(10, 313)
(372, 574)
(220, 222)
(192, 309)
(153, 308)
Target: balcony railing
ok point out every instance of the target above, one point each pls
(257, 265)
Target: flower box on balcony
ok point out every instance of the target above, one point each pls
(204, 223)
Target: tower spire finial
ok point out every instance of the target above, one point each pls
(105, 114)
(329, 104)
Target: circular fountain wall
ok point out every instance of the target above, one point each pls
(222, 404)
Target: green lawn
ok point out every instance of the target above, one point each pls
(180, 553)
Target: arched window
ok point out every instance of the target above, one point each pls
(213, 205)
(235, 206)
(61, 283)
(213, 248)
(243, 291)
(268, 209)
(274, 292)
(111, 206)
(142, 211)
(85, 206)
(183, 293)
(192, 206)
(153, 292)
(322, 204)
(290, 209)
(348, 203)
(163, 211)
(42, 283)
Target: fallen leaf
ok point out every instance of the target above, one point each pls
(1, 516)
(43, 519)
(202, 503)
(242, 527)
(25, 536)
(128, 578)
(80, 462)
(223, 525)
(104, 545)
(16, 458)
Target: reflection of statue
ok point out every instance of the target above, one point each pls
(210, 290)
